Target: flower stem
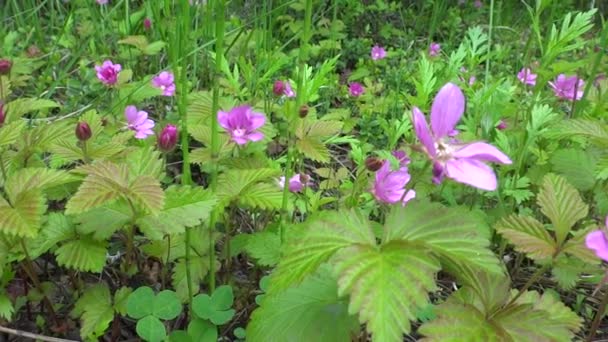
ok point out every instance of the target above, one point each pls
(539, 272)
(491, 24)
(219, 7)
(598, 317)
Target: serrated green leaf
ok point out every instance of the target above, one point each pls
(325, 235)
(58, 228)
(458, 322)
(95, 306)
(11, 131)
(147, 193)
(386, 286)
(6, 306)
(313, 148)
(577, 166)
(166, 305)
(562, 204)
(311, 311)
(184, 207)
(528, 235)
(199, 266)
(104, 221)
(17, 108)
(120, 300)
(451, 233)
(265, 247)
(566, 271)
(24, 217)
(575, 246)
(83, 254)
(592, 130)
(144, 162)
(105, 183)
(234, 183)
(154, 48)
(262, 195)
(151, 329)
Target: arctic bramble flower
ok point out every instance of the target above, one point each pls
(389, 185)
(168, 138)
(434, 49)
(297, 183)
(102, 2)
(526, 76)
(356, 89)
(568, 88)
(108, 72)
(242, 123)
(378, 52)
(463, 163)
(598, 242)
(137, 120)
(281, 88)
(164, 82)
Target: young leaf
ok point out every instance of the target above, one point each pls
(24, 217)
(311, 311)
(105, 183)
(95, 307)
(83, 254)
(146, 192)
(528, 235)
(562, 204)
(387, 286)
(451, 233)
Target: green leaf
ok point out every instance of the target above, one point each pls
(566, 271)
(151, 329)
(262, 195)
(324, 236)
(146, 192)
(30, 179)
(83, 254)
(451, 233)
(120, 300)
(577, 166)
(566, 38)
(6, 306)
(105, 183)
(154, 48)
(387, 286)
(17, 108)
(592, 130)
(104, 221)
(145, 162)
(528, 235)
(202, 331)
(199, 266)
(166, 305)
(139, 304)
(265, 247)
(58, 228)
(232, 184)
(311, 311)
(215, 308)
(562, 204)
(24, 217)
(313, 148)
(11, 131)
(179, 336)
(575, 246)
(184, 207)
(95, 306)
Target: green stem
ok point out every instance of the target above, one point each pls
(85, 153)
(539, 272)
(598, 318)
(215, 135)
(489, 43)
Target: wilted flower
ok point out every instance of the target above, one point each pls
(168, 138)
(242, 123)
(526, 76)
(356, 89)
(597, 241)
(5, 66)
(164, 82)
(462, 162)
(378, 52)
(281, 88)
(568, 88)
(83, 131)
(389, 185)
(297, 183)
(138, 121)
(147, 24)
(108, 72)
(434, 49)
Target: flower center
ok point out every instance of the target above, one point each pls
(444, 150)
(239, 132)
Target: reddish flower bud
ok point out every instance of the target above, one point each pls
(168, 138)
(303, 111)
(147, 23)
(502, 125)
(373, 163)
(279, 88)
(5, 66)
(83, 131)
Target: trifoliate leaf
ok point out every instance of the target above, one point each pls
(311, 311)
(215, 308)
(83, 254)
(166, 305)
(528, 235)
(313, 148)
(151, 329)
(202, 330)
(140, 302)
(30, 179)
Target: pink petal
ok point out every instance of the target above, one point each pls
(255, 136)
(472, 172)
(409, 196)
(422, 131)
(596, 241)
(482, 151)
(222, 119)
(257, 120)
(131, 114)
(447, 110)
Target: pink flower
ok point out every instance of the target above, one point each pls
(434, 49)
(526, 76)
(478, 3)
(138, 121)
(462, 162)
(108, 72)
(168, 138)
(597, 241)
(568, 88)
(102, 2)
(283, 88)
(502, 125)
(297, 183)
(164, 81)
(147, 24)
(378, 52)
(241, 123)
(356, 89)
(389, 185)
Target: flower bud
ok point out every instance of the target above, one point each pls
(168, 138)
(83, 131)
(147, 24)
(279, 88)
(502, 125)
(5, 66)
(2, 113)
(303, 111)
(373, 163)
